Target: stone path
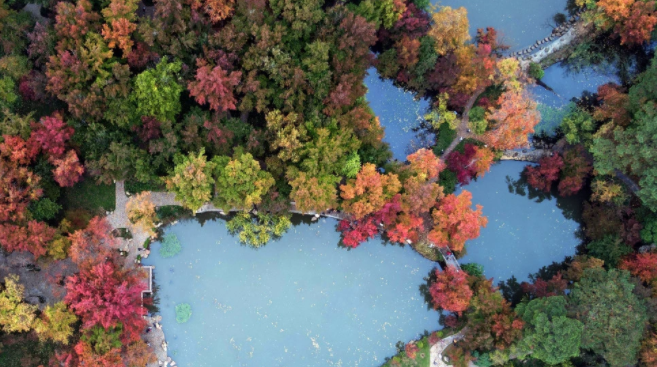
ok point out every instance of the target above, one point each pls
(438, 348)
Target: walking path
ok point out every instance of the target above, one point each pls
(437, 349)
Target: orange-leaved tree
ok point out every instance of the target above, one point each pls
(456, 222)
(369, 191)
(512, 121)
(141, 212)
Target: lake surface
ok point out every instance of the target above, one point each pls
(298, 301)
(523, 233)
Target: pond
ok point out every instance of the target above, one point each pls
(298, 301)
(526, 229)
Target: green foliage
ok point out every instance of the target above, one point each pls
(610, 249)
(191, 180)
(168, 213)
(44, 209)
(447, 179)
(614, 318)
(551, 118)
(445, 136)
(157, 91)
(257, 231)
(22, 350)
(170, 246)
(632, 151)
(442, 115)
(422, 4)
(422, 356)
(478, 123)
(536, 71)
(103, 340)
(89, 196)
(549, 335)
(135, 187)
(578, 126)
(240, 183)
(645, 88)
(8, 95)
(352, 166)
(183, 313)
(649, 231)
(483, 359)
(473, 269)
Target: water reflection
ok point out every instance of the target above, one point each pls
(526, 229)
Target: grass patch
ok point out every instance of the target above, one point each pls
(89, 196)
(444, 137)
(430, 253)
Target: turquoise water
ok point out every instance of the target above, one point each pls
(299, 301)
(524, 233)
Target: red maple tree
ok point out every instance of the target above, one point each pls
(107, 295)
(451, 291)
(540, 288)
(215, 86)
(542, 176)
(643, 266)
(68, 169)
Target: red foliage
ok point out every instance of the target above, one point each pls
(32, 86)
(455, 222)
(93, 244)
(139, 56)
(106, 295)
(73, 22)
(33, 238)
(411, 350)
(52, 134)
(615, 105)
(217, 134)
(149, 129)
(542, 176)
(450, 291)
(408, 226)
(18, 185)
(355, 233)
(643, 266)
(215, 86)
(463, 164)
(576, 169)
(68, 169)
(540, 288)
(18, 151)
(414, 22)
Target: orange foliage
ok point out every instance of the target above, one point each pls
(218, 10)
(408, 226)
(643, 266)
(649, 351)
(615, 105)
(515, 118)
(369, 191)
(455, 222)
(483, 160)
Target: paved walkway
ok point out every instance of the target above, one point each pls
(438, 349)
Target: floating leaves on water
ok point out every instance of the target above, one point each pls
(183, 313)
(170, 245)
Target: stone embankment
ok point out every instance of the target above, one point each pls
(525, 155)
(561, 36)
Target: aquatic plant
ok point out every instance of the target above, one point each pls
(170, 245)
(183, 313)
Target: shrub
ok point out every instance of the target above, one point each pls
(183, 313)
(536, 71)
(170, 246)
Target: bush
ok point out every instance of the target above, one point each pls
(170, 246)
(473, 269)
(172, 212)
(44, 209)
(536, 71)
(183, 313)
